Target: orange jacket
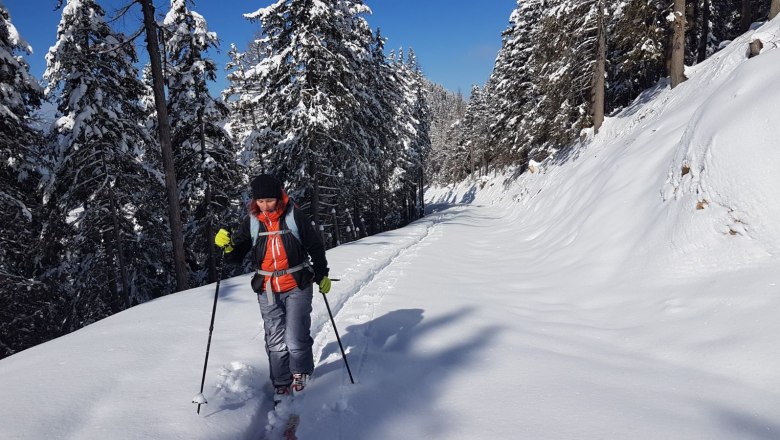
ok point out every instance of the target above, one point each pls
(275, 256)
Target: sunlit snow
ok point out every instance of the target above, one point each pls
(627, 292)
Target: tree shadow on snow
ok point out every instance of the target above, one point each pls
(470, 195)
(394, 375)
(747, 426)
(451, 197)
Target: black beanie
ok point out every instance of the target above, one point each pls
(266, 187)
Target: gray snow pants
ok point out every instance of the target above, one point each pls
(288, 340)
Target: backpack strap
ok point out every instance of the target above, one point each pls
(254, 228)
(289, 219)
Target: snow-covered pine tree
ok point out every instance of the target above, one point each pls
(204, 157)
(372, 130)
(562, 78)
(151, 29)
(97, 146)
(515, 83)
(419, 147)
(246, 120)
(732, 18)
(582, 25)
(400, 154)
(155, 273)
(447, 109)
(28, 308)
(698, 33)
(474, 131)
(413, 118)
(312, 54)
(354, 149)
(636, 50)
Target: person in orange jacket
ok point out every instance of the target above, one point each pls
(285, 267)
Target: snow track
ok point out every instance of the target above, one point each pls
(359, 301)
(354, 300)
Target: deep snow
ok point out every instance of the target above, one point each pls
(590, 300)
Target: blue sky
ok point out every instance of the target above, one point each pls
(456, 41)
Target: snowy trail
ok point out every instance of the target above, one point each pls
(598, 298)
(358, 292)
(560, 347)
(350, 287)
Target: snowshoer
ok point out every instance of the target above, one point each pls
(287, 255)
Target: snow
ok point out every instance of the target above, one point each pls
(15, 39)
(599, 297)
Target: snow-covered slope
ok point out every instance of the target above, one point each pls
(630, 291)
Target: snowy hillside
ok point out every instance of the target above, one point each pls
(630, 291)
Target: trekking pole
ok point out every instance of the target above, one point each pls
(200, 399)
(335, 330)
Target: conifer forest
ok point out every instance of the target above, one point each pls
(116, 199)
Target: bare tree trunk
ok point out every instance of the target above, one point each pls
(115, 250)
(746, 15)
(373, 219)
(597, 90)
(336, 233)
(153, 47)
(677, 65)
(405, 220)
(705, 32)
(315, 200)
(363, 232)
(379, 219)
(422, 194)
(113, 297)
(123, 302)
(471, 157)
(774, 9)
(352, 229)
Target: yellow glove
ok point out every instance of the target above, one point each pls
(325, 285)
(222, 239)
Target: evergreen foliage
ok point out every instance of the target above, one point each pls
(97, 144)
(324, 92)
(204, 156)
(637, 49)
(355, 133)
(28, 307)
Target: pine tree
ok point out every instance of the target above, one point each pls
(97, 146)
(207, 172)
(401, 155)
(447, 109)
(28, 307)
(474, 130)
(732, 18)
(312, 53)
(636, 50)
(515, 82)
(373, 131)
(151, 29)
(562, 80)
(155, 272)
(420, 145)
(20, 95)
(246, 120)
(354, 152)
